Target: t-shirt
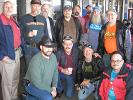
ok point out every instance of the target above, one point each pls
(29, 23)
(111, 95)
(110, 39)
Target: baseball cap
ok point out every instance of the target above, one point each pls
(67, 7)
(35, 2)
(97, 8)
(67, 37)
(88, 46)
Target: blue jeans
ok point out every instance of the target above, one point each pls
(69, 84)
(84, 93)
(35, 93)
(29, 52)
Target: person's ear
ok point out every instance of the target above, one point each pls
(40, 47)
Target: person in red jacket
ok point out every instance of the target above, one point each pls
(117, 80)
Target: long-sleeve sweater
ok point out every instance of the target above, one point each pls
(43, 72)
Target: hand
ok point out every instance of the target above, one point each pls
(96, 55)
(5, 58)
(31, 34)
(85, 82)
(66, 71)
(54, 92)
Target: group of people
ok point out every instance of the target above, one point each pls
(89, 53)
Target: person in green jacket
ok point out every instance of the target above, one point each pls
(42, 73)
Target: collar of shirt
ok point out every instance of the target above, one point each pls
(5, 20)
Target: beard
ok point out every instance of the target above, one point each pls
(96, 19)
(76, 14)
(47, 53)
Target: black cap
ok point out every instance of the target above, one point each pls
(35, 2)
(47, 42)
(67, 37)
(67, 7)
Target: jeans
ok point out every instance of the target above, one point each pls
(69, 84)
(84, 93)
(29, 52)
(35, 93)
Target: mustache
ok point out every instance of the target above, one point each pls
(76, 13)
(67, 48)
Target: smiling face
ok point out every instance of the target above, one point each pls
(116, 62)
(67, 13)
(111, 16)
(88, 52)
(35, 8)
(7, 9)
(46, 51)
(45, 9)
(67, 44)
(76, 11)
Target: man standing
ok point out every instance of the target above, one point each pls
(10, 41)
(67, 25)
(87, 16)
(42, 72)
(50, 23)
(33, 27)
(77, 13)
(67, 63)
(114, 37)
(94, 27)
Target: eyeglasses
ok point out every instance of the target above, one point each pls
(116, 61)
(34, 19)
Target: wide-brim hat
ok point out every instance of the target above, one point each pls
(35, 2)
(47, 42)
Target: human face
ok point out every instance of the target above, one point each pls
(8, 9)
(111, 16)
(88, 9)
(88, 52)
(46, 51)
(116, 62)
(67, 13)
(76, 11)
(45, 10)
(35, 9)
(67, 44)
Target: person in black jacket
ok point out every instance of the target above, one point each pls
(88, 73)
(67, 25)
(114, 36)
